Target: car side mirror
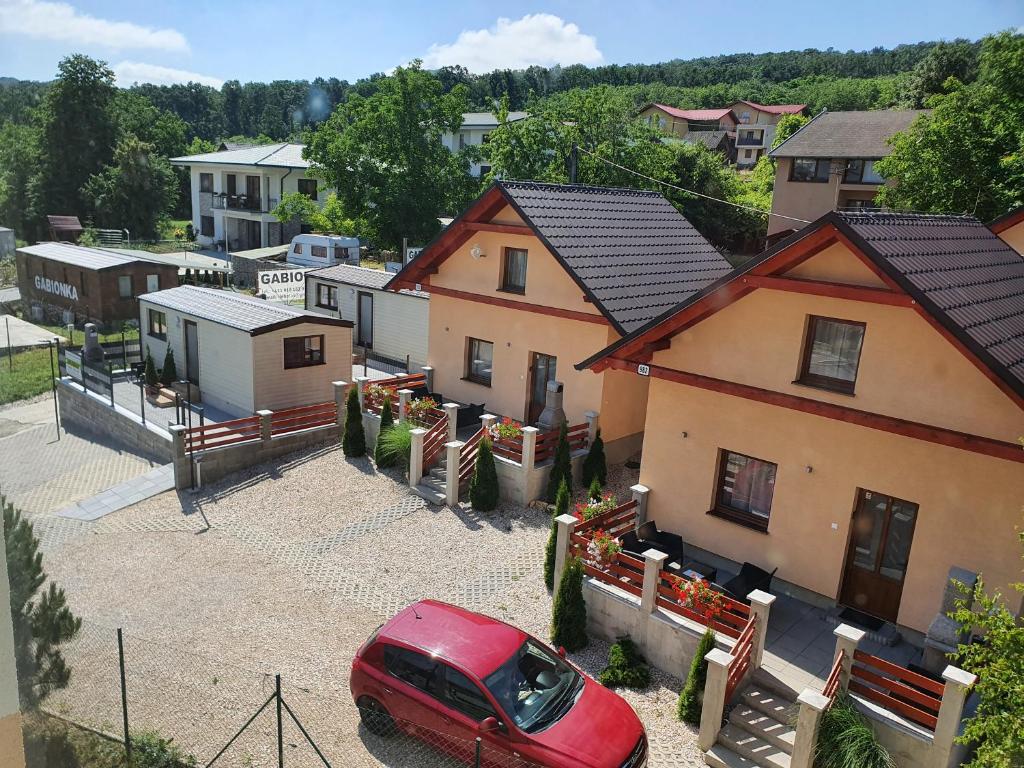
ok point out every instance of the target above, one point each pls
(489, 724)
(561, 651)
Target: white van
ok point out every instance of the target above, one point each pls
(323, 251)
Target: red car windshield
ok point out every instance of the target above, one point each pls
(534, 687)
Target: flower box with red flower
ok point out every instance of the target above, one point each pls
(698, 596)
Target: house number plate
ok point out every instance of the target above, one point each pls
(643, 370)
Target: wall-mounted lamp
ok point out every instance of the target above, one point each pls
(477, 252)
(808, 469)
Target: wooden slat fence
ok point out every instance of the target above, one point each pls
(741, 653)
(433, 443)
(832, 683)
(625, 572)
(508, 448)
(467, 456)
(303, 417)
(225, 433)
(616, 521)
(548, 441)
(908, 694)
(731, 621)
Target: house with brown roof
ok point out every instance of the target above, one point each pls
(828, 165)
(846, 408)
(1010, 228)
(755, 129)
(676, 122)
(532, 278)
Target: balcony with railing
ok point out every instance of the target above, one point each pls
(244, 203)
(750, 140)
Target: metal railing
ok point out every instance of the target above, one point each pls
(249, 203)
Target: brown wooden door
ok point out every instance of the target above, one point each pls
(252, 193)
(879, 549)
(542, 370)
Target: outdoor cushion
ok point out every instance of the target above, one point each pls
(749, 578)
(649, 537)
(468, 414)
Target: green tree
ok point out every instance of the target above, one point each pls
(787, 126)
(569, 619)
(594, 465)
(550, 549)
(483, 487)
(331, 219)
(561, 467)
(18, 164)
(387, 422)
(354, 441)
(594, 490)
(998, 662)
(42, 620)
(957, 59)
(169, 373)
(383, 154)
(691, 698)
(136, 192)
(150, 375)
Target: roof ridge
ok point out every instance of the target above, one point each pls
(526, 183)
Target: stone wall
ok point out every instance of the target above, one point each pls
(88, 412)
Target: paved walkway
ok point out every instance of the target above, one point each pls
(17, 333)
(122, 495)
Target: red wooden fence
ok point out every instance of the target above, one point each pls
(509, 448)
(742, 653)
(548, 441)
(434, 442)
(303, 417)
(832, 683)
(896, 688)
(467, 456)
(225, 433)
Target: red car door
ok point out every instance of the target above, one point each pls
(411, 690)
(463, 707)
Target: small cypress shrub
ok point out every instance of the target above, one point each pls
(561, 508)
(594, 465)
(150, 374)
(562, 466)
(691, 698)
(354, 441)
(169, 373)
(594, 491)
(483, 488)
(387, 422)
(626, 666)
(569, 619)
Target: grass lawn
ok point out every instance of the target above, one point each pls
(130, 334)
(30, 375)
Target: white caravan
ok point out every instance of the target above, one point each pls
(323, 251)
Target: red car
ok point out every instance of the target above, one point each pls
(447, 675)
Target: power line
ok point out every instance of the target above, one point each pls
(690, 191)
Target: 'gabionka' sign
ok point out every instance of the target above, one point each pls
(56, 287)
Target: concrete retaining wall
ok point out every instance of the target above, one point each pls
(521, 485)
(88, 412)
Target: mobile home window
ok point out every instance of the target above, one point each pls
(206, 182)
(744, 489)
(124, 286)
(301, 351)
(832, 354)
(810, 169)
(479, 361)
(513, 270)
(318, 251)
(157, 324)
(327, 296)
(307, 187)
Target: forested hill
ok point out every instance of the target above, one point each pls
(822, 79)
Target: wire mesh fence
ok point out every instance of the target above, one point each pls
(221, 714)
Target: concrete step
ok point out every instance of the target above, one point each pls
(434, 484)
(720, 756)
(754, 721)
(438, 473)
(769, 702)
(763, 753)
(429, 494)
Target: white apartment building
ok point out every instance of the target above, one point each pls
(235, 190)
(476, 127)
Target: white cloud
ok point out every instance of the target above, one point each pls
(129, 72)
(59, 21)
(541, 38)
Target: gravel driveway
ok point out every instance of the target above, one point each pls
(286, 569)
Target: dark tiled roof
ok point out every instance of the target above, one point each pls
(631, 250)
(967, 277)
(361, 276)
(710, 139)
(847, 134)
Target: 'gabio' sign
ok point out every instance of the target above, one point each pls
(283, 284)
(57, 288)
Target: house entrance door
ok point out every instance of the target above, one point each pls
(542, 370)
(192, 352)
(879, 550)
(364, 320)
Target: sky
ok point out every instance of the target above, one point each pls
(170, 41)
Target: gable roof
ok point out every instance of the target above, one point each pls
(489, 119)
(1007, 220)
(630, 251)
(691, 114)
(360, 276)
(954, 269)
(283, 155)
(773, 109)
(710, 139)
(862, 134)
(84, 256)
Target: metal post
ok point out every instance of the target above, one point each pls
(10, 350)
(407, 364)
(365, 352)
(191, 454)
(53, 384)
(574, 155)
(476, 763)
(142, 400)
(280, 728)
(124, 696)
(110, 381)
(124, 352)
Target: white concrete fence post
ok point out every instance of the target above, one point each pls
(714, 697)
(451, 411)
(529, 449)
(640, 494)
(592, 418)
(812, 706)
(760, 607)
(566, 525)
(178, 440)
(428, 373)
(951, 711)
(847, 640)
(265, 425)
(487, 420)
(361, 382)
(416, 457)
(404, 396)
(653, 563)
(339, 401)
(451, 476)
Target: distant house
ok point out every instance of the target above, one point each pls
(829, 164)
(679, 122)
(235, 190)
(716, 141)
(475, 130)
(755, 130)
(1010, 228)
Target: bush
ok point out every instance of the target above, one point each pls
(561, 508)
(150, 375)
(626, 667)
(569, 620)
(169, 373)
(483, 488)
(50, 742)
(387, 422)
(845, 739)
(395, 445)
(561, 469)
(354, 441)
(691, 698)
(594, 465)
(150, 750)
(594, 491)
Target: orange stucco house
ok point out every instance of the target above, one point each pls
(846, 407)
(532, 278)
(1010, 228)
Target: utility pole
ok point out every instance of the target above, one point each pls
(574, 157)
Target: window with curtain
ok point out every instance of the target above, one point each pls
(157, 324)
(810, 169)
(301, 351)
(832, 354)
(745, 489)
(479, 361)
(513, 271)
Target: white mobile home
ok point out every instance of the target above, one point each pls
(246, 354)
(391, 324)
